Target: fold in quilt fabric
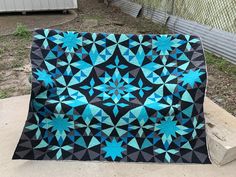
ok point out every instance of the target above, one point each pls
(115, 97)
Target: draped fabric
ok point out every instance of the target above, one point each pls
(115, 97)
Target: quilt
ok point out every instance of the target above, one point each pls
(115, 97)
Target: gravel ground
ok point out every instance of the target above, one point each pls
(96, 17)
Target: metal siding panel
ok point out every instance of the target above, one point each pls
(69, 4)
(52, 4)
(10, 5)
(44, 5)
(76, 3)
(73, 4)
(27, 5)
(60, 4)
(36, 5)
(19, 5)
(2, 6)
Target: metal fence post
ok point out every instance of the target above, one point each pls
(172, 7)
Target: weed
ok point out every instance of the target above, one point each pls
(1, 51)
(3, 94)
(22, 31)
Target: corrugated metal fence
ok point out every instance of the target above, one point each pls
(220, 14)
(129, 7)
(219, 42)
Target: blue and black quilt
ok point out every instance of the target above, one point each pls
(115, 97)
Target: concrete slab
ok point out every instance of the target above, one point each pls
(13, 112)
(221, 130)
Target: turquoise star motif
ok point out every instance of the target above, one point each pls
(117, 88)
(59, 124)
(168, 128)
(70, 41)
(192, 77)
(45, 77)
(113, 149)
(164, 44)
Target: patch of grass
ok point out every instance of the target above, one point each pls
(21, 56)
(221, 64)
(3, 94)
(3, 48)
(1, 51)
(17, 63)
(22, 31)
(6, 93)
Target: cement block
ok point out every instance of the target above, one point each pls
(221, 131)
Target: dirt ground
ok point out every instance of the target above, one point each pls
(222, 88)
(32, 20)
(96, 17)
